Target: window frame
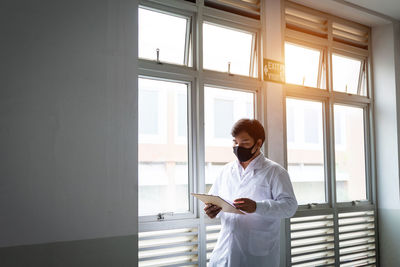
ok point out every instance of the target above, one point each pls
(363, 59)
(331, 97)
(322, 66)
(169, 77)
(367, 156)
(242, 28)
(189, 35)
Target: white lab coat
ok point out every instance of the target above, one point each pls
(252, 239)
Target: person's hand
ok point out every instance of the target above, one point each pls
(245, 204)
(212, 210)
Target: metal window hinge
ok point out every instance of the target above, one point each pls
(161, 217)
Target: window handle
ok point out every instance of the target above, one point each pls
(160, 216)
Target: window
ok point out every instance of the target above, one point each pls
(223, 107)
(350, 160)
(228, 50)
(348, 75)
(304, 66)
(328, 140)
(305, 151)
(163, 167)
(163, 34)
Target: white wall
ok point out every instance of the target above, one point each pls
(387, 156)
(68, 120)
(386, 87)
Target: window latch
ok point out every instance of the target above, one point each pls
(355, 202)
(160, 216)
(311, 205)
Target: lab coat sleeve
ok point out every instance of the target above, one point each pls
(283, 203)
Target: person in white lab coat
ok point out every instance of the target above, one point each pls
(259, 187)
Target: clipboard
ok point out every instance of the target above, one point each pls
(216, 200)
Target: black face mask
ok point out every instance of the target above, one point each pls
(243, 154)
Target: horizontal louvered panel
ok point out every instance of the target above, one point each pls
(212, 232)
(350, 35)
(304, 22)
(312, 241)
(248, 8)
(176, 247)
(357, 238)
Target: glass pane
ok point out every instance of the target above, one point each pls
(164, 32)
(223, 107)
(306, 150)
(349, 153)
(301, 65)
(345, 74)
(163, 148)
(222, 45)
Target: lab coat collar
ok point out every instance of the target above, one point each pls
(257, 163)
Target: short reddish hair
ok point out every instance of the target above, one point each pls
(253, 127)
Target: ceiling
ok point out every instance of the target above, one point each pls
(370, 13)
(389, 8)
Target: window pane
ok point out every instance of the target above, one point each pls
(164, 32)
(163, 163)
(148, 117)
(349, 154)
(222, 45)
(301, 65)
(306, 150)
(345, 74)
(223, 117)
(223, 107)
(182, 115)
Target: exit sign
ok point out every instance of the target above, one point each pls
(274, 71)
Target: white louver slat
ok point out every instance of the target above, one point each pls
(212, 232)
(350, 35)
(177, 247)
(312, 23)
(312, 241)
(304, 22)
(357, 239)
(248, 8)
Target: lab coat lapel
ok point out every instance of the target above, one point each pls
(250, 171)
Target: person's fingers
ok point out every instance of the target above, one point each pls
(213, 213)
(209, 206)
(211, 209)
